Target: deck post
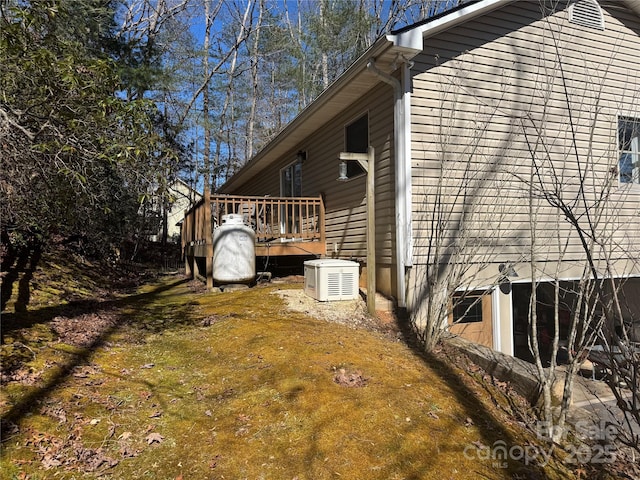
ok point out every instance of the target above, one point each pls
(187, 266)
(323, 237)
(196, 270)
(208, 236)
(186, 241)
(371, 232)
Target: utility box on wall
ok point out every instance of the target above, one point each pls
(328, 279)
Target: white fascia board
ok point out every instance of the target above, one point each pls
(413, 39)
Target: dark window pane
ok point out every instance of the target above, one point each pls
(291, 180)
(629, 144)
(354, 169)
(467, 310)
(628, 129)
(626, 168)
(357, 135)
(297, 180)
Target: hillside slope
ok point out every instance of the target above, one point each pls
(173, 382)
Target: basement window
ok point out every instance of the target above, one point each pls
(586, 13)
(467, 307)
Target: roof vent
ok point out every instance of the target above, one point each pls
(586, 13)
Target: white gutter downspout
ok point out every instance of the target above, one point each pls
(402, 146)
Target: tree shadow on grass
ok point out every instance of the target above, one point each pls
(18, 265)
(26, 404)
(492, 430)
(26, 319)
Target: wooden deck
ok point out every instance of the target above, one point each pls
(283, 226)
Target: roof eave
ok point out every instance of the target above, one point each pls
(633, 5)
(407, 42)
(413, 38)
(286, 140)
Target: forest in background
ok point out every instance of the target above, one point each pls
(104, 104)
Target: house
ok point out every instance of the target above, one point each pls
(506, 137)
(181, 196)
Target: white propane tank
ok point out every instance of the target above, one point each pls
(234, 251)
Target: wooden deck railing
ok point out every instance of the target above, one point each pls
(272, 218)
(283, 226)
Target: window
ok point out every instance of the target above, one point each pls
(467, 308)
(629, 145)
(356, 139)
(357, 135)
(291, 180)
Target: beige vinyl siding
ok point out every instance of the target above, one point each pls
(479, 88)
(345, 202)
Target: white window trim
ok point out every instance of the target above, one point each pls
(635, 149)
(289, 165)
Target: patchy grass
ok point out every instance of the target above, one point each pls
(184, 384)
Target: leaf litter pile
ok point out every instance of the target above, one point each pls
(174, 382)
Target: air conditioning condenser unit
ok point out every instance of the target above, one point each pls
(328, 279)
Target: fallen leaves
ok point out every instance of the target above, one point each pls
(49, 461)
(58, 413)
(74, 453)
(154, 437)
(86, 329)
(245, 422)
(144, 395)
(24, 375)
(210, 320)
(84, 371)
(214, 462)
(350, 379)
(479, 445)
(93, 459)
(69, 453)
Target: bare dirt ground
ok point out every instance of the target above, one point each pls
(352, 313)
(346, 312)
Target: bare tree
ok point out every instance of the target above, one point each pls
(461, 224)
(535, 137)
(210, 13)
(143, 24)
(579, 183)
(255, 81)
(388, 16)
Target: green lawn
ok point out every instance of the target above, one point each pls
(182, 384)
